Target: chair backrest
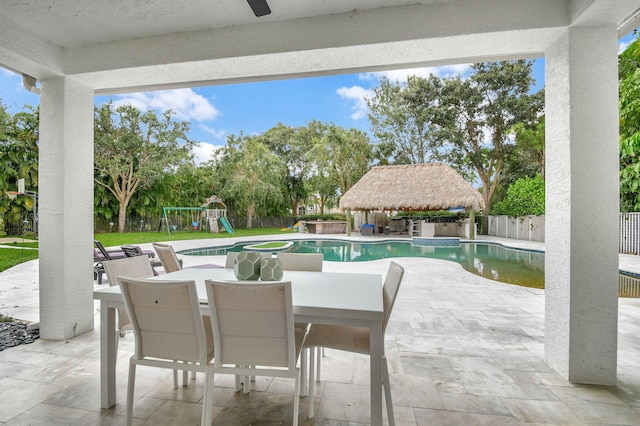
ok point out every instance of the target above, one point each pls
(166, 319)
(252, 323)
(301, 261)
(231, 257)
(102, 249)
(390, 290)
(167, 257)
(134, 267)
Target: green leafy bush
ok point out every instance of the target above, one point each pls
(524, 197)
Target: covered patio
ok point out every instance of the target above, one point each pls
(69, 51)
(462, 350)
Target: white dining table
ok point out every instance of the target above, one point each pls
(318, 297)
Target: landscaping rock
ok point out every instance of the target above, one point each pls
(14, 333)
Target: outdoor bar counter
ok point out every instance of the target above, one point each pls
(326, 227)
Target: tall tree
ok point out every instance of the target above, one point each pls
(481, 111)
(250, 175)
(629, 75)
(291, 146)
(19, 159)
(133, 149)
(524, 159)
(530, 146)
(404, 119)
(344, 154)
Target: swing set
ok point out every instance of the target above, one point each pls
(177, 218)
(181, 218)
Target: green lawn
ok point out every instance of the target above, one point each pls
(115, 239)
(11, 257)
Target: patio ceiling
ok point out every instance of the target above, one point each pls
(131, 46)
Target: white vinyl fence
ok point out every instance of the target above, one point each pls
(630, 233)
(531, 228)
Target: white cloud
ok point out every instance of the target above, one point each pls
(185, 103)
(203, 152)
(403, 75)
(218, 134)
(8, 74)
(357, 95)
(623, 46)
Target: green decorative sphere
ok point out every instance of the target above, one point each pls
(247, 266)
(271, 270)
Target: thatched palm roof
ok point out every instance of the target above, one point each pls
(412, 187)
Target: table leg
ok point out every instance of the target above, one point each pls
(108, 354)
(376, 350)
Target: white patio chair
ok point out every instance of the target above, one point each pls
(253, 331)
(134, 267)
(168, 258)
(301, 261)
(357, 339)
(304, 262)
(231, 258)
(169, 332)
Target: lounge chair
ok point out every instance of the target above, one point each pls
(101, 255)
(134, 251)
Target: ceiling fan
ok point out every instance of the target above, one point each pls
(259, 7)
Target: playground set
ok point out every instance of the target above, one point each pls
(215, 218)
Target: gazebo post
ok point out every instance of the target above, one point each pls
(348, 222)
(472, 224)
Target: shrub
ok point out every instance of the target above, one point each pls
(524, 197)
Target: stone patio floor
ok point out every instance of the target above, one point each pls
(462, 349)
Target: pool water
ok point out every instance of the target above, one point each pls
(492, 261)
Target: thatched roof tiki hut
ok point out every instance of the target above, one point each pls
(414, 187)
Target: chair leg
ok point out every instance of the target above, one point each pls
(130, 386)
(245, 384)
(243, 380)
(175, 378)
(312, 382)
(238, 380)
(303, 372)
(319, 367)
(296, 399)
(387, 391)
(207, 401)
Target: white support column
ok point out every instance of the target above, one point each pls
(582, 205)
(66, 209)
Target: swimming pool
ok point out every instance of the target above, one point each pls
(491, 261)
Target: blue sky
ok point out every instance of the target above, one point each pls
(217, 111)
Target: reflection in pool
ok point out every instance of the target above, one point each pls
(491, 261)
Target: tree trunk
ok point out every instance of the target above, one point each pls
(122, 216)
(250, 210)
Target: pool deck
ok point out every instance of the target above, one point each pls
(461, 349)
